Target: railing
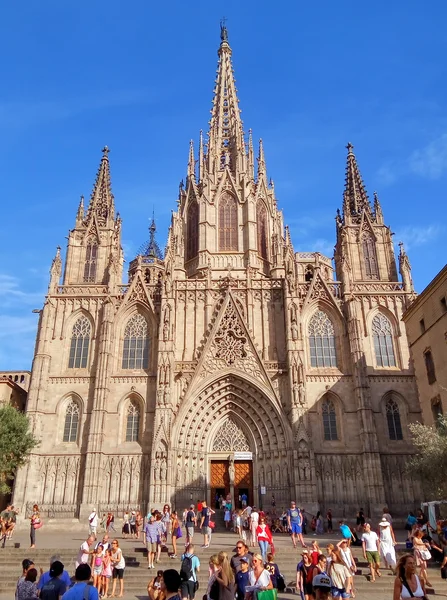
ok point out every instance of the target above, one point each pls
(55, 511)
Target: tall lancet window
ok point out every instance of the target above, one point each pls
(192, 230)
(382, 331)
(136, 343)
(370, 257)
(228, 223)
(91, 257)
(261, 221)
(71, 422)
(80, 341)
(322, 341)
(132, 423)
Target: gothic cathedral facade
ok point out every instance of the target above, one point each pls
(230, 362)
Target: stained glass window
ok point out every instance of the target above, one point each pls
(133, 422)
(192, 230)
(71, 422)
(228, 223)
(329, 420)
(80, 341)
(261, 220)
(136, 343)
(383, 341)
(393, 420)
(322, 341)
(91, 256)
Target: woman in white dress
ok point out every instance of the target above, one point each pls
(407, 584)
(387, 543)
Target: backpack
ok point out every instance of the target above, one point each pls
(186, 570)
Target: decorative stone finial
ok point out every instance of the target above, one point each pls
(105, 151)
(223, 30)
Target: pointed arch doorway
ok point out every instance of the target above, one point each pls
(231, 465)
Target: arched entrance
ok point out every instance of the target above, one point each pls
(219, 421)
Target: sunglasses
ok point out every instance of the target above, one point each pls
(240, 547)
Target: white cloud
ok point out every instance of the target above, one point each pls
(413, 236)
(12, 325)
(431, 161)
(12, 294)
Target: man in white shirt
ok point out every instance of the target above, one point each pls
(84, 551)
(93, 523)
(370, 544)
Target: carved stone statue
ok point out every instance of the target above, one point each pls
(166, 330)
(231, 471)
(301, 393)
(294, 330)
(157, 469)
(163, 469)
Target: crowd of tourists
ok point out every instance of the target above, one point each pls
(320, 573)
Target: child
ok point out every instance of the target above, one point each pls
(97, 561)
(315, 552)
(227, 517)
(106, 572)
(242, 579)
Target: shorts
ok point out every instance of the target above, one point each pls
(187, 589)
(190, 531)
(118, 573)
(296, 528)
(340, 593)
(97, 570)
(151, 546)
(373, 556)
(206, 530)
(133, 529)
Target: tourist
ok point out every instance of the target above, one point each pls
(106, 574)
(35, 523)
(160, 527)
(315, 552)
(341, 577)
(138, 524)
(329, 550)
(190, 522)
(81, 589)
(166, 522)
(386, 514)
(242, 578)
(322, 587)
(421, 519)
(320, 566)
(170, 584)
(273, 569)
(189, 569)
(370, 544)
(176, 532)
(346, 532)
(151, 537)
(244, 499)
(319, 525)
(421, 555)
(26, 587)
(205, 524)
(212, 590)
(154, 587)
(329, 521)
(110, 522)
(225, 578)
(103, 522)
(96, 565)
(55, 588)
(360, 520)
(254, 521)
(407, 584)
(294, 522)
(45, 577)
(411, 522)
(133, 524)
(104, 543)
(227, 517)
(264, 536)
(259, 577)
(242, 552)
(238, 522)
(84, 551)
(27, 564)
(346, 555)
(387, 541)
(118, 566)
(304, 572)
(126, 526)
(93, 523)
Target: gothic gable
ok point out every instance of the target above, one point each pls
(365, 227)
(319, 291)
(138, 292)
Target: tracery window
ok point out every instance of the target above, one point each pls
(136, 343)
(80, 342)
(383, 341)
(71, 422)
(133, 422)
(228, 223)
(393, 420)
(370, 257)
(329, 420)
(261, 221)
(192, 230)
(91, 257)
(322, 341)
(230, 438)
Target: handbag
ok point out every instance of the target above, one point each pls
(280, 583)
(38, 524)
(211, 524)
(425, 554)
(179, 532)
(266, 594)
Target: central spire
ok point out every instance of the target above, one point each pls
(226, 146)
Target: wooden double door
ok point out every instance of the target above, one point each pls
(243, 480)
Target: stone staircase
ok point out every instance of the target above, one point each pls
(137, 575)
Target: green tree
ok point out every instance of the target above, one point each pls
(430, 461)
(16, 444)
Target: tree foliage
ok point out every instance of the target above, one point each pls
(430, 461)
(16, 444)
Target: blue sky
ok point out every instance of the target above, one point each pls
(139, 78)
